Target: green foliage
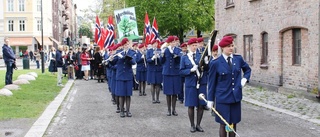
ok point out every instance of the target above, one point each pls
(31, 100)
(85, 30)
(126, 26)
(176, 16)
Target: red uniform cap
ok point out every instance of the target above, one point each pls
(227, 40)
(117, 46)
(215, 48)
(141, 45)
(200, 39)
(183, 45)
(124, 41)
(154, 41)
(192, 41)
(170, 39)
(176, 38)
(135, 44)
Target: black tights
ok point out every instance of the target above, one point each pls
(223, 132)
(155, 91)
(127, 100)
(142, 87)
(199, 115)
(172, 104)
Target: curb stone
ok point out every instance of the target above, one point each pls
(40, 126)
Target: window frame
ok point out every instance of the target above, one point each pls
(10, 5)
(296, 46)
(38, 25)
(248, 54)
(38, 5)
(22, 25)
(264, 50)
(10, 25)
(22, 5)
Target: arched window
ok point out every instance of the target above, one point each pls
(296, 46)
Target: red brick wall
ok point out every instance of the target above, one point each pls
(277, 18)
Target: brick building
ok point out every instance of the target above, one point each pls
(279, 39)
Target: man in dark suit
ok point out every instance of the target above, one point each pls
(9, 59)
(92, 62)
(225, 85)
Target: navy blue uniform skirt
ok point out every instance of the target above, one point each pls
(113, 85)
(230, 112)
(141, 76)
(154, 77)
(171, 84)
(124, 88)
(192, 96)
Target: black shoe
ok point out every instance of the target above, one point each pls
(181, 102)
(122, 114)
(154, 102)
(193, 129)
(144, 94)
(118, 110)
(174, 113)
(198, 128)
(140, 94)
(129, 114)
(169, 113)
(102, 81)
(158, 101)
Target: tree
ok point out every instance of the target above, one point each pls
(126, 26)
(85, 30)
(174, 17)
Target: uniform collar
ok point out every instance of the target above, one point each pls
(226, 57)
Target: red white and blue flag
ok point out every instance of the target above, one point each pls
(147, 29)
(110, 33)
(97, 32)
(154, 32)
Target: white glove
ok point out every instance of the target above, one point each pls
(243, 82)
(153, 57)
(142, 56)
(170, 49)
(193, 69)
(206, 60)
(210, 104)
(120, 55)
(174, 56)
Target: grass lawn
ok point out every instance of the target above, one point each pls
(31, 100)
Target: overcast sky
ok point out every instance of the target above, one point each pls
(83, 4)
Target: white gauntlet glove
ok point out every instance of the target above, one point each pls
(193, 69)
(243, 82)
(153, 57)
(210, 104)
(120, 55)
(206, 60)
(142, 56)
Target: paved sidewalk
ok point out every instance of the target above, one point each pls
(291, 103)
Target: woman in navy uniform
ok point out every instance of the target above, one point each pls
(154, 76)
(226, 83)
(113, 68)
(181, 94)
(171, 65)
(141, 74)
(124, 60)
(188, 67)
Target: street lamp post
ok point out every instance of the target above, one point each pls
(41, 50)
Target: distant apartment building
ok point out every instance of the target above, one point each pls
(279, 39)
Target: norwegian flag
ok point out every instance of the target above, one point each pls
(102, 38)
(154, 32)
(147, 30)
(97, 32)
(110, 33)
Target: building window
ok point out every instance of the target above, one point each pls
(22, 25)
(10, 25)
(21, 5)
(264, 57)
(39, 5)
(296, 36)
(38, 25)
(248, 49)
(229, 3)
(10, 5)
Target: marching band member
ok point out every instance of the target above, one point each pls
(141, 69)
(124, 78)
(170, 72)
(226, 83)
(184, 52)
(201, 46)
(154, 69)
(214, 52)
(113, 76)
(134, 67)
(108, 53)
(188, 67)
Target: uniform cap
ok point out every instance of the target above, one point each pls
(227, 40)
(192, 41)
(170, 39)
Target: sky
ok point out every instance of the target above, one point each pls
(81, 5)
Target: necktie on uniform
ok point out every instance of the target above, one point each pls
(194, 56)
(229, 62)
